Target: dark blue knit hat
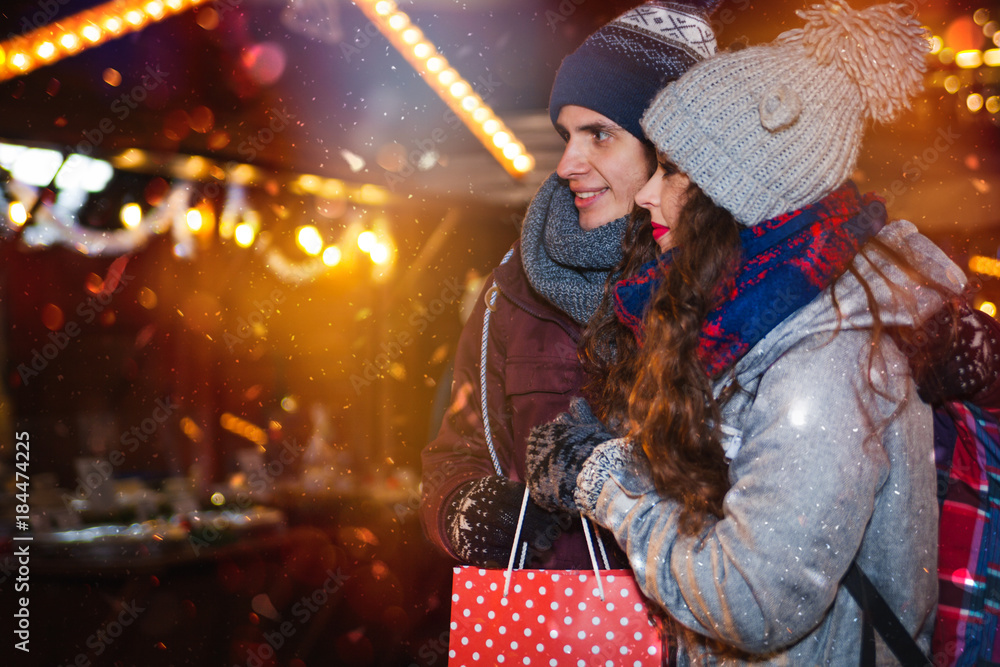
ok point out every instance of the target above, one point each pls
(621, 67)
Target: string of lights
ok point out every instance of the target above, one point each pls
(185, 215)
(53, 42)
(444, 80)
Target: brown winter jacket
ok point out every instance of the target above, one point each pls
(532, 373)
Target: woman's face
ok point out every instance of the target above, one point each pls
(663, 196)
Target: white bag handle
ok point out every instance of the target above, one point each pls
(491, 299)
(524, 550)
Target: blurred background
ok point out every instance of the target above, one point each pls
(237, 240)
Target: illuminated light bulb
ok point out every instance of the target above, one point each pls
(371, 194)
(459, 89)
(113, 24)
(412, 35)
(398, 21)
(491, 127)
(309, 240)
(946, 56)
(70, 41)
(993, 104)
(112, 77)
(310, 183)
(135, 17)
(20, 61)
(435, 64)
(989, 308)
(332, 189)
(422, 50)
(154, 9)
(175, 5)
(195, 167)
(37, 166)
(984, 265)
(512, 150)
(974, 102)
(384, 8)
(131, 157)
(366, 241)
(131, 215)
(470, 102)
(332, 256)
(380, 253)
(46, 50)
(194, 220)
(524, 163)
(244, 235)
(17, 213)
(91, 33)
(952, 84)
(992, 57)
(501, 139)
(448, 77)
(969, 59)
(936, 44)
(480, 115)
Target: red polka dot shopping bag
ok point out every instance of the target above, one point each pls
(550, 617)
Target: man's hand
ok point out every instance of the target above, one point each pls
(482, 521)
(557, 452)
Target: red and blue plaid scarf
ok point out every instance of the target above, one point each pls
(786, 262)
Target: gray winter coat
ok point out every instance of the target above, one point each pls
(824, 470)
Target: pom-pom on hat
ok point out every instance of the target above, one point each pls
(772, 128)
(619, 68)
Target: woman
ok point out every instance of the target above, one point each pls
(777, 432)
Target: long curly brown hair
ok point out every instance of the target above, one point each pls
(659, 393)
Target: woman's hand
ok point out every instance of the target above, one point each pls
(557, 452)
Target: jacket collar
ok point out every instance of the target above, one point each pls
(513, 284)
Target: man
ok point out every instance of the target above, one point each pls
(549, 288)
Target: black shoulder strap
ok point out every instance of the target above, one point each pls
(876, 613)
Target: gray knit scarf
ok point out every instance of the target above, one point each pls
(564, 263)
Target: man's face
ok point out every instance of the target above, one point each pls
(604, 164)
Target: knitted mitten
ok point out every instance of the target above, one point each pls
(606, 458)
(556, 453)
(965, 366)
(482, 520)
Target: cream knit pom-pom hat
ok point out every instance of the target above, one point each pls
(772, 128)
